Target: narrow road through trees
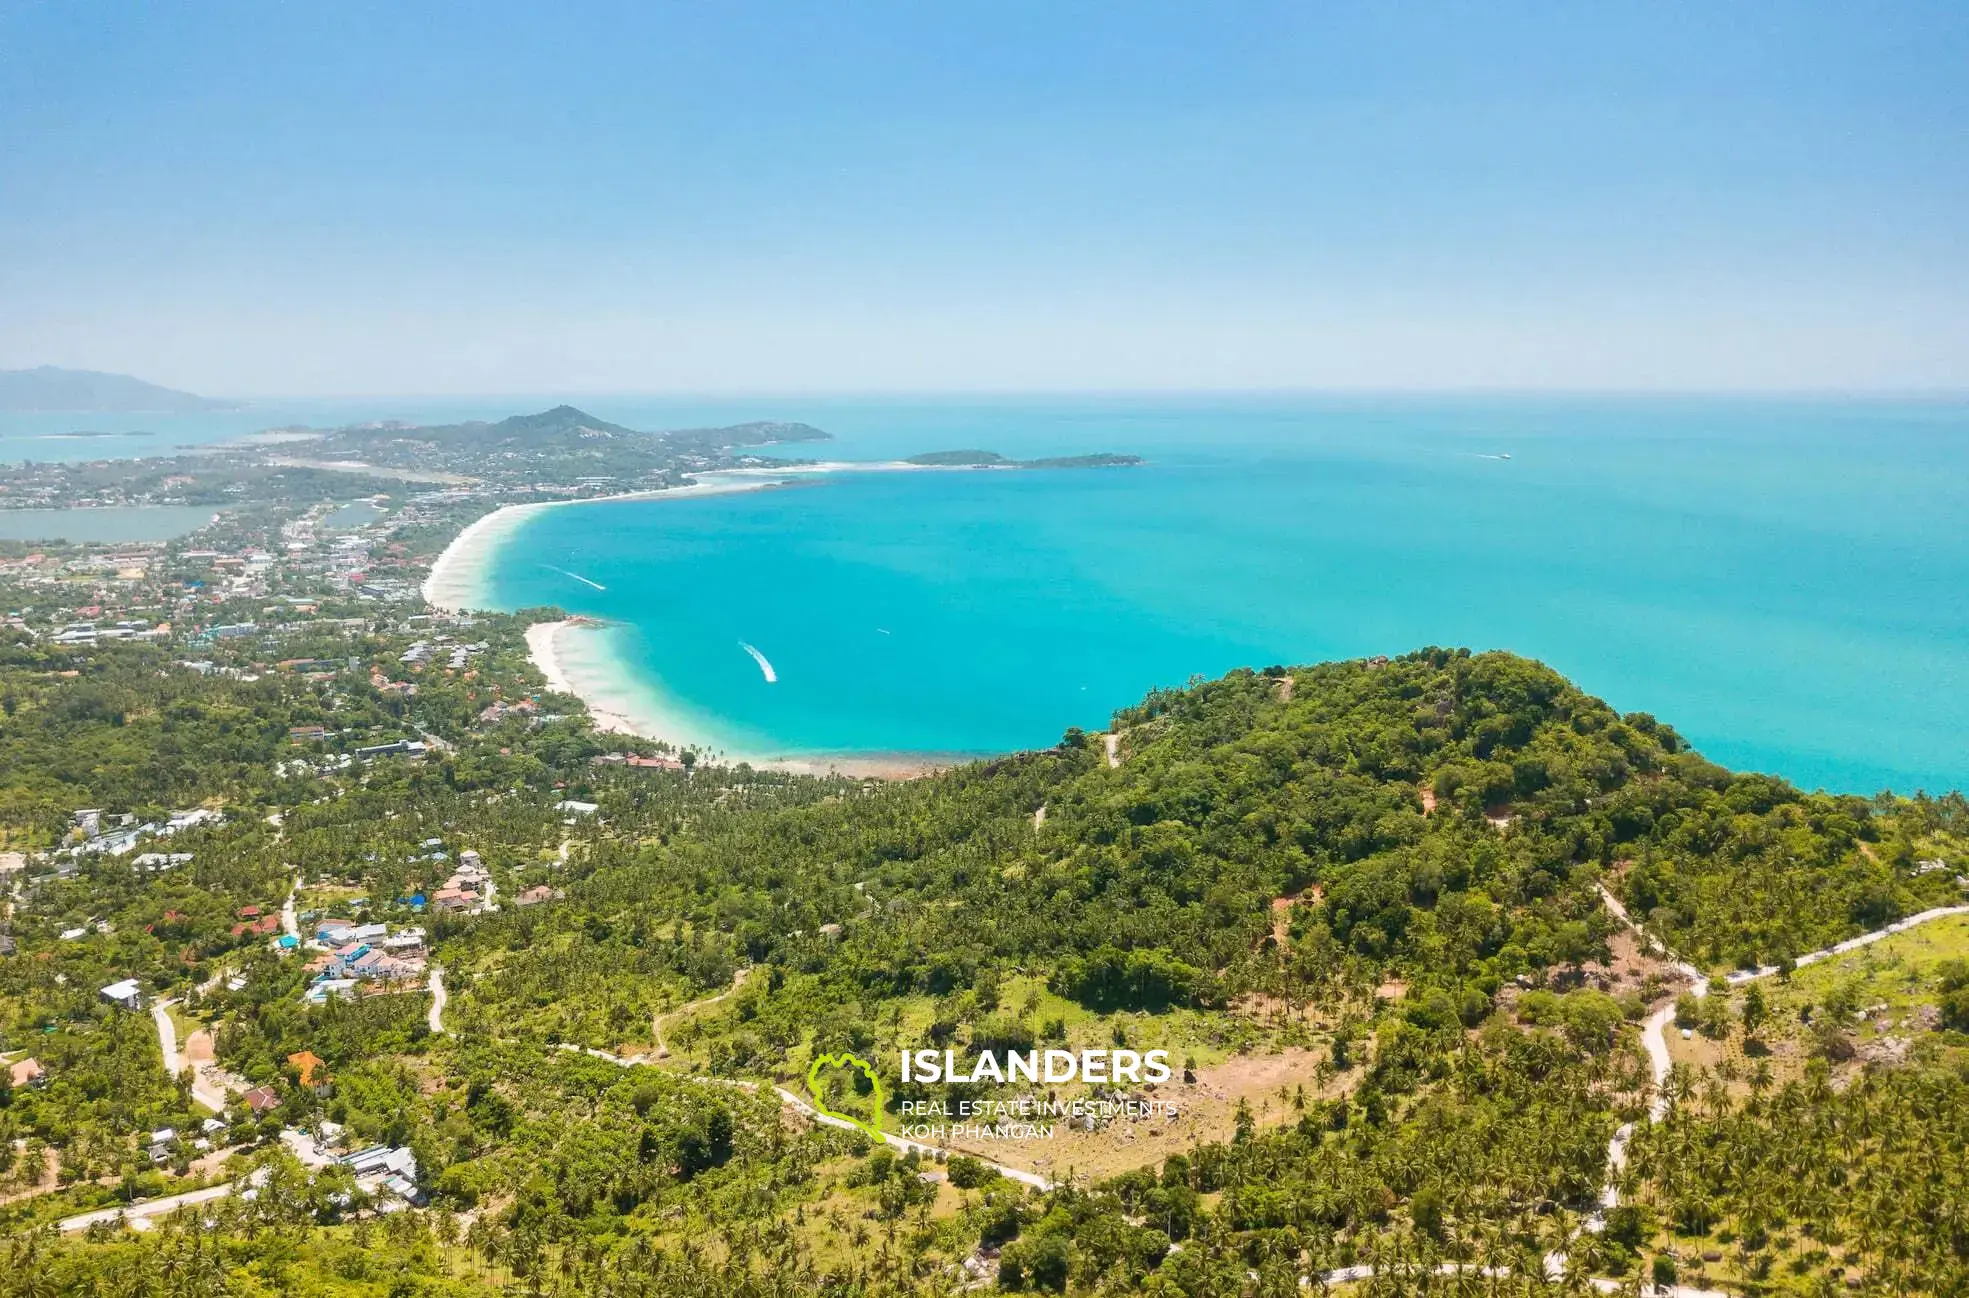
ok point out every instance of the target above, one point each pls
(435, 985)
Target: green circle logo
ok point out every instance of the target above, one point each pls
(872, 1125)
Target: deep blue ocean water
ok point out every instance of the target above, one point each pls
(1784, 581)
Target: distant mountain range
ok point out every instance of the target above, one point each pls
(53, 390)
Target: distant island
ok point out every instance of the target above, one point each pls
(49, 389)
(993, 460)
(83, 436)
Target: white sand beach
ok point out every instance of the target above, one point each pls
(544, 646)
(457, 580)
(574, 656)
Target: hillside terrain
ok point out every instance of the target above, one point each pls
(1360, 903)
(343, 955)
(558, 445)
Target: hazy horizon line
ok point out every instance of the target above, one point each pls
(772, 393)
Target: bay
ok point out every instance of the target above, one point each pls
(1780, 579)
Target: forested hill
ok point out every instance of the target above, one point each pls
(1442, 817)
(1359, 904)
(565, 424)
(559, 444)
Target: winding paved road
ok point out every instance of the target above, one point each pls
(142, 1212)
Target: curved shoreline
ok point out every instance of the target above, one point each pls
(456, 580)
(548, 645)
(459, 578)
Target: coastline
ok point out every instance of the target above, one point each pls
(459, 578)
(556, 649)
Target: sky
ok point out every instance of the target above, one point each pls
(348, 198)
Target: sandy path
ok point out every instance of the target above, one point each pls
(656, 1023)
(1654, 1040)
(435, 985)
(1654, 1032)
(209, 1086)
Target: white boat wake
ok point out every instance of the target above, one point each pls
(577, 576)
(765, 668)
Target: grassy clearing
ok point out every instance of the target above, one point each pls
(1882, 1000)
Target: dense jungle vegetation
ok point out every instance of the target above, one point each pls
(1384, 877)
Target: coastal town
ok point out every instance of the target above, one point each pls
(295, 617)
(253, 897)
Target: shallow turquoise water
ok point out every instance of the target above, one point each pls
(1783, 581)
(135, 523)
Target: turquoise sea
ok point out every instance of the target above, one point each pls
(1784, 581)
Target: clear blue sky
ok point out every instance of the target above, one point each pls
(700, 195)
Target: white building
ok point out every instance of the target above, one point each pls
(192, 819)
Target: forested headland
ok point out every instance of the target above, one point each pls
(1363, 904)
